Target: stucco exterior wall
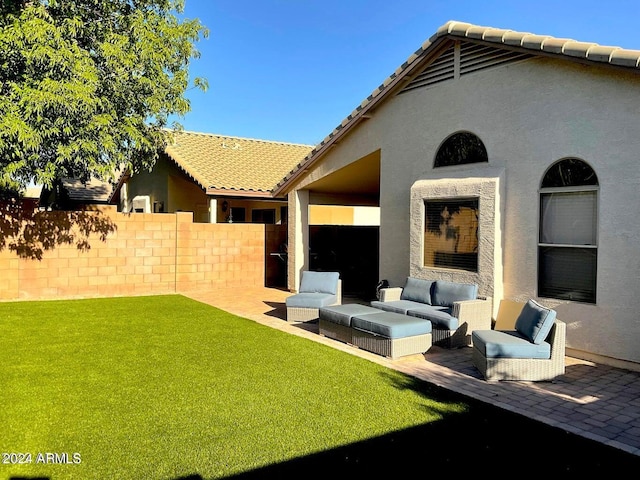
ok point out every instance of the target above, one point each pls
(528, 115)
(168, 184)
(153, 184)
(185, 196)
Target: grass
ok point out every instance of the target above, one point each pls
(165, 387)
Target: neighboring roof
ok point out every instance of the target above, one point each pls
(92, 191)
(524, 42)
(224, 164)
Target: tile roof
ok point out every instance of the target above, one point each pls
(92, 191)
(453, 30)
(233, 164)
(541, 43)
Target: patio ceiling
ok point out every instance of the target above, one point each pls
(359, 178)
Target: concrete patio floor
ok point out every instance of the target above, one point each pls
(592, 400)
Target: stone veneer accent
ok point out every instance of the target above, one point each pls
(489, 274)
(145, 253)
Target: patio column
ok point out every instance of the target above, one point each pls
(124, 198)
(213, 210)
(298, 237)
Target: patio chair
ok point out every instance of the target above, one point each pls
(317, 290)
(533, 350)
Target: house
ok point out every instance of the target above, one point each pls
(218, 178)
(507, 159)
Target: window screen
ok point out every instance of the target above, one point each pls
(451, 233)
(568, 238)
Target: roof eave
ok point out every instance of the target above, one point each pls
(230, 192)
(116, 189)
(582, 52)
(363, 111)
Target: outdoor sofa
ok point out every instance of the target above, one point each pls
(454, 309)
(534, 351)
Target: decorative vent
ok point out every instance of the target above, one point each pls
(460, 59)
(475, 57)
(442, 69)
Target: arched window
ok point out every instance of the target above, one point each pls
(568, 232)
(461, 148)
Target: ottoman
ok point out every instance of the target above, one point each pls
(391, 334)
(335, 320)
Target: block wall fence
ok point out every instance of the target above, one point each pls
(142, 254)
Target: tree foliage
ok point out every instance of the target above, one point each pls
(88, 87)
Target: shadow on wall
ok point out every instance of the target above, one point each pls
(29, 232)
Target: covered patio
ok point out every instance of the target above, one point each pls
(595, 401)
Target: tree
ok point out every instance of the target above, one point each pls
(87, 87)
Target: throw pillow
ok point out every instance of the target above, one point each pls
(417, 290)
(535, 321)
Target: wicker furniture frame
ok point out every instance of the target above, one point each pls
(472, 315)
(391, 347)
(342, 333)
(341, 330)
(304, 314)
(526, 369)
(372, 342)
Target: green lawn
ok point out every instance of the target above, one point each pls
(165, 387)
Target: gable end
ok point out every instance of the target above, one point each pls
(475, 57)
(461, 58)
(440, 70)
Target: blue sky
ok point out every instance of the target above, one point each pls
(292, 70)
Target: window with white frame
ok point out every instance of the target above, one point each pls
(568, 232)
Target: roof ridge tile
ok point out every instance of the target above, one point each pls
(537, 43)
(233, 137)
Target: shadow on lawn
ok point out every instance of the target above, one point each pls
(29, 478)
(483, 439)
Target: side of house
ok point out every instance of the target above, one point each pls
(559, 125)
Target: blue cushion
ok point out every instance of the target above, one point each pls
(417, 290)
(446, 293)
(535, 321)
(319, 282)
(342, 314)
(311, 300)
(391, 325)
(508, 344)
(439, 318)
(397, 306)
